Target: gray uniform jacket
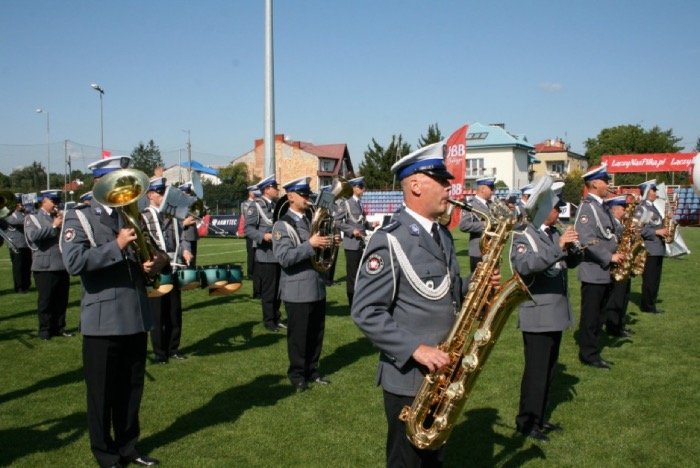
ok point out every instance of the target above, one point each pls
(42, 238)
(350, 217)
(542, 266)
(594, 221)
(15, 229)
(652, 219)
(258, 222)
(172, 241)
(114, 298)
(299, 282)
(392, 313)
(473, 224)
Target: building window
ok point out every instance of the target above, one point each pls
(327, 165)
(475, 167)
(557, 167)
(477, 135)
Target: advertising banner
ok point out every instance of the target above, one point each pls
(652, 162)
(455, 161)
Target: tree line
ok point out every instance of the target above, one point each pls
(375, 166)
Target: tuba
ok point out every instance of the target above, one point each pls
(7, 204)
(122, 190)
(322, 223)
(485, 310)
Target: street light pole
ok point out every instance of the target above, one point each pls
(189, 152)
(48, 147)
(99, 89)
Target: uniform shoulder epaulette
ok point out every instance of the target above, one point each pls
(81, 206)
(391, 226)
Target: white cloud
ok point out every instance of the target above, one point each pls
(551, 87)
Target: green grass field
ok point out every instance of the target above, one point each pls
(230, 403)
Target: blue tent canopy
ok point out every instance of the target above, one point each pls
(199, 167)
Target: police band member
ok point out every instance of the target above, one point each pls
(653, 233)
(595, 222)
(189, 225)
(41, 230)
(472, 223)
(354, 227)
(616, 308)
(167, 233)
(258, 227)
(20, 253)
(302, 288)
(407, 294)
(249, 247)
(541, 255)
(114, 320)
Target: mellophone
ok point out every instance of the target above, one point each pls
(220, 279)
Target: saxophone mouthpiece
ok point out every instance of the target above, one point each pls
(460, 204)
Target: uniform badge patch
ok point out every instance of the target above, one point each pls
(583, 219)
(374, 264)
(520, 249)
(277, 235)
(69, 234)
(415, 230)
(250, 211)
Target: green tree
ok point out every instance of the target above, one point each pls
(573, 187)
(632, 139)
(29, 178)
(147, 158)
(376, 166)
(4, 181)
(227, 196)
(433, 136)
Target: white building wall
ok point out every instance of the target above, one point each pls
(506, 164)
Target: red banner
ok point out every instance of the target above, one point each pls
(455, 154)
(653, 162)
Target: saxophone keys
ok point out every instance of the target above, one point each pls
(482, 336)
(455, 390)
(470, 362)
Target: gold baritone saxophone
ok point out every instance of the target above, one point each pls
(485, 310)
(669, 223)
(626, 245)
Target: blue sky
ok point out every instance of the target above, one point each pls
(345, 71)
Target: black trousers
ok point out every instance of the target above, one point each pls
(52, 301)
(352, 263)
(268, 277)
(651, 280)
(329, 275)
(306, 323)
(22, 269)
(167, 323)
(541, 355)
(193, 250)
(399, 450)
(594, 298)
(114, 368)
(616, 308)
(250, 257)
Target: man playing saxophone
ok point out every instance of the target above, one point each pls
(653, 233)
(407, 293)
(616, 308)
(594, 221)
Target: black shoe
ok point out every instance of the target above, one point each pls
(145, 460)
(65, 334)
(178, 356)
(45, 337)
(160, 360)
(551, 427)
(300, 387)
(535, 434)
(619, 334)
(598, 363)
(321, 380)
(282, 324)
(273, 329)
